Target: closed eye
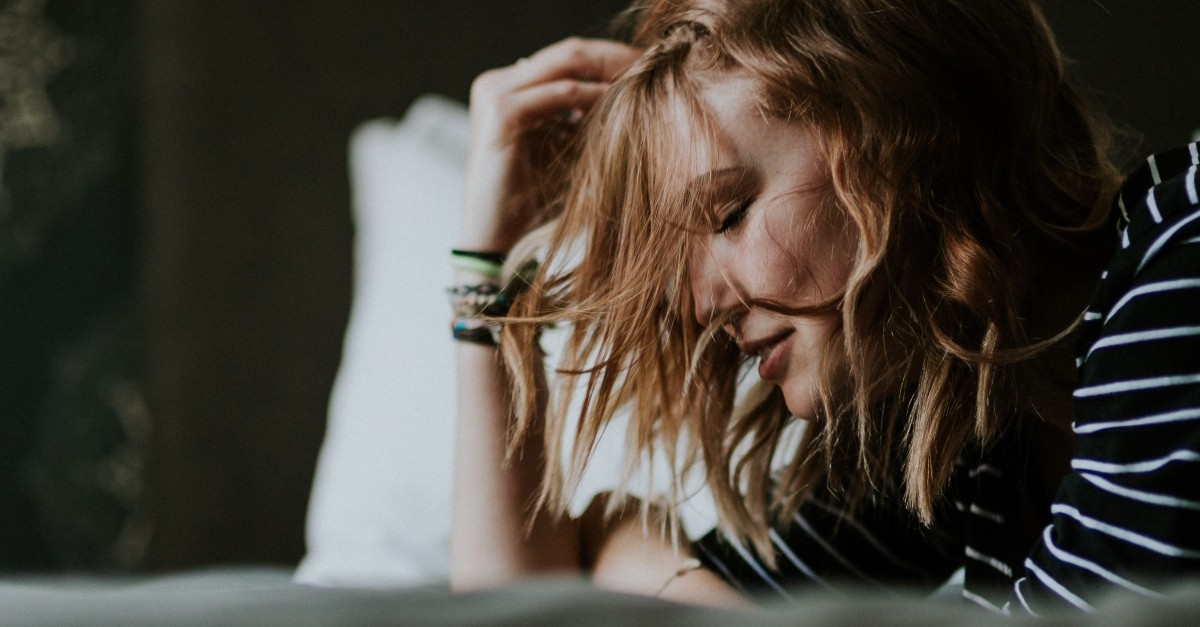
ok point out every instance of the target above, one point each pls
(733, 215)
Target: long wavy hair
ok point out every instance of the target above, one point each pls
(975, 177)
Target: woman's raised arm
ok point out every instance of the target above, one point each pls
(492, 541)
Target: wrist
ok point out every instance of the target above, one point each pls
(489, 231)
(485, 229)
(485, 243)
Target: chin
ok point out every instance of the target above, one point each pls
(801, 401)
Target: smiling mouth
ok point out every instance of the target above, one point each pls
(770, 353)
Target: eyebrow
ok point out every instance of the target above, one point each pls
(720, 176)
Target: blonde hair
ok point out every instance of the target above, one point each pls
(955, 145)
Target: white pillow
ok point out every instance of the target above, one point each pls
(379, 514)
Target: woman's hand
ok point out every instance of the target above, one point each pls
(521, 113)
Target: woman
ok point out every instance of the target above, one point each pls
(896, 211)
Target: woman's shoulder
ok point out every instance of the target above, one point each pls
(1123, 516)
(1155, 266)
(1162, 191)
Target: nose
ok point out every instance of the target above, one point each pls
(710, 280)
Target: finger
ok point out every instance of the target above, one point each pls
(543, 100)
(598, 60)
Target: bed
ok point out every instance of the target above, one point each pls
(270, 597)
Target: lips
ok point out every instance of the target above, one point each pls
(771, 353)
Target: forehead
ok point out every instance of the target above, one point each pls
(723, 122)
(704, 120)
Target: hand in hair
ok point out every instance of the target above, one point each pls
(521, 117)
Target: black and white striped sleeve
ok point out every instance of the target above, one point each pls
(1127, 516)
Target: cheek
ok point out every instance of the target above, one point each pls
(837, 241)
(801, 265)
(819, 252)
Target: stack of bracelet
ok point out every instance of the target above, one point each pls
(475, 307)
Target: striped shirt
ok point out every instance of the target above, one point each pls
(1125, 519)
(1127, 516)
(994, 508)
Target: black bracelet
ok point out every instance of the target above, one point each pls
(473, 332)
(496, 258)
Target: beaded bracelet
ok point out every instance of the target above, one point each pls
(485, 299)
(475, 308)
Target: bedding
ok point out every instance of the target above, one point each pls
(269, 598)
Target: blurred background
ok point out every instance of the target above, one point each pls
(175, 240)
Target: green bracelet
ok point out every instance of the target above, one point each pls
(496, 258)
(475, 264)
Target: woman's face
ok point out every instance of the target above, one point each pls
(779, 237)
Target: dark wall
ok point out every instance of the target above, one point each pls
(1139, 59)
(248, 107)
(69, 466)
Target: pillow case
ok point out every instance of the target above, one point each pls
(379, 513)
